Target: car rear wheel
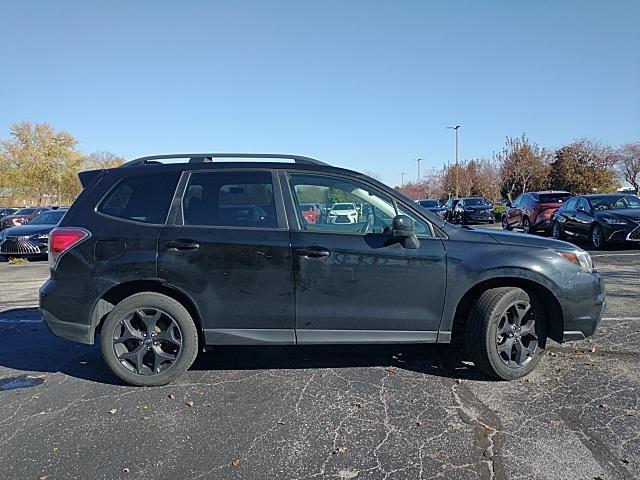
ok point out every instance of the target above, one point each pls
(505, 223)
(149, 339)
(506, 336)
(556, 231)
(597, 237)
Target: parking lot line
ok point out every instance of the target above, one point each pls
(616, 255)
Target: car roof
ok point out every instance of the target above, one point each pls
(604, 195)
(543, 192)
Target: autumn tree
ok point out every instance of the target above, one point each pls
(103, 159)
(523, 166)
(627, 162)
(583, 167)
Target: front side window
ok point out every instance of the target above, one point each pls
(143, 198)
(571, 204)
(351, 206)
(230, 199)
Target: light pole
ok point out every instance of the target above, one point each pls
(418, 160)
(455, 129)
(402, 181)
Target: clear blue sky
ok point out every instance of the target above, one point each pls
(369, 85)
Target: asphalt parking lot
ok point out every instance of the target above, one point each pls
(335, 412)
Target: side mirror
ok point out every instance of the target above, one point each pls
(404, 229)
(580, 208)
(508, 205)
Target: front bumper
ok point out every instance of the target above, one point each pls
(583, 303)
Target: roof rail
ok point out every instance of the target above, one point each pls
(210, 157)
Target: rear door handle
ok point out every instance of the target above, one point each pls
(313, 252)
(182, 245)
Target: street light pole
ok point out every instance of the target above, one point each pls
(419, 160)
(56, 140)
(402, 181)
(455, 128)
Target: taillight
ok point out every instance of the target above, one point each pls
(62, 240)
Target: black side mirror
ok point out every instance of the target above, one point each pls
(404, 229)
(580, 208)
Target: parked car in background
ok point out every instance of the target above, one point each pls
(343, 213)
(310, 212)
(22, 216)
(473, 210)
(175, 277)
(433, 205)
(450, 206)
(603, 219)
(7, 211)
(30, 240)
(533, 211)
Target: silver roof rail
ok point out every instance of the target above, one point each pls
(211, 157)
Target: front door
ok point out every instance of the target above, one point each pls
(227, 247)
(354, 281)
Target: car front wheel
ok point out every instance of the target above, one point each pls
(149, 339)
(556, 231)
(506, 336)
(526, 225)
(505, 223)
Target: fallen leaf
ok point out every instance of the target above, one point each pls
(125, 470)
(604, 406)
(418, 423)
(625, 461)
(280, 422)
(189, 403)
(339, 450)
(235, 462)
(392, 370)
(631, 413)
(113, 411)
(171, 396)
(593, 349)
(357, 405)
(43, 477)
(458, 380)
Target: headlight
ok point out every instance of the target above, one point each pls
(579, 257)
(613, 221)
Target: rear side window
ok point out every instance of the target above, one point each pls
(230, 199)
(143, 198)
(554, 197)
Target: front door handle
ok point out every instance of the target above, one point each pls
(313, 252)
(182, 245)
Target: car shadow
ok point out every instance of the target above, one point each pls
(26, 346)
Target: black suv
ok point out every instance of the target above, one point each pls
(161, 260)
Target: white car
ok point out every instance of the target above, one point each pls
(343, 213)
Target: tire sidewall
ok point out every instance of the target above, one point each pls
(503, 371)
(180, 315)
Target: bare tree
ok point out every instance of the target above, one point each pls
(523, 166)
(627, 161)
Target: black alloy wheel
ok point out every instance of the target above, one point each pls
(526, 225)
(597, 236)
(556, 231)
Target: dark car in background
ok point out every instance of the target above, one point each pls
(473, 210)
(602, 219)
(450, 206)
(7, 211)
(433, 205)
(156, 279)
(22, 216)
(533, 211)
(30, 240)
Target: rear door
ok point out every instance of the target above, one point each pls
(354, 282)
(583, 218)
(227, 247)
(514, 213)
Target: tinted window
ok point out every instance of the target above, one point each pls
(475, 202)
(615, 202)
(554, 197)
(584, 204)
(571, 204)
(144, 198)
(517, 201)
(230, 199)
(25, 211)
(48, 218)
(355, 207)
(429, 203)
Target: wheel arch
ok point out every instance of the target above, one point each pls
(119, 292)
(553, 310)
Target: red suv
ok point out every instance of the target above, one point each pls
(533, 211)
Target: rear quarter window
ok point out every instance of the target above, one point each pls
(141, 198)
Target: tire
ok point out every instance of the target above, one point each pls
(495, 346)
(505, 223)
(556, 231)
(128, 330)
(598, 239)
(526, 225)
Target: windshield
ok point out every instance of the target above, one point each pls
(553, 197)
(344, 206)
(615, 202)
(474, 202)
(25, 211)
(429, 203)
(48, 218)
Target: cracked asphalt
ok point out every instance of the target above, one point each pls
(367, 412)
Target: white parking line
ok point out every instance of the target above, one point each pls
(622, 318)
(616, 255)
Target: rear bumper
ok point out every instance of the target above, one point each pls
(64, 310)
(71, 331)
